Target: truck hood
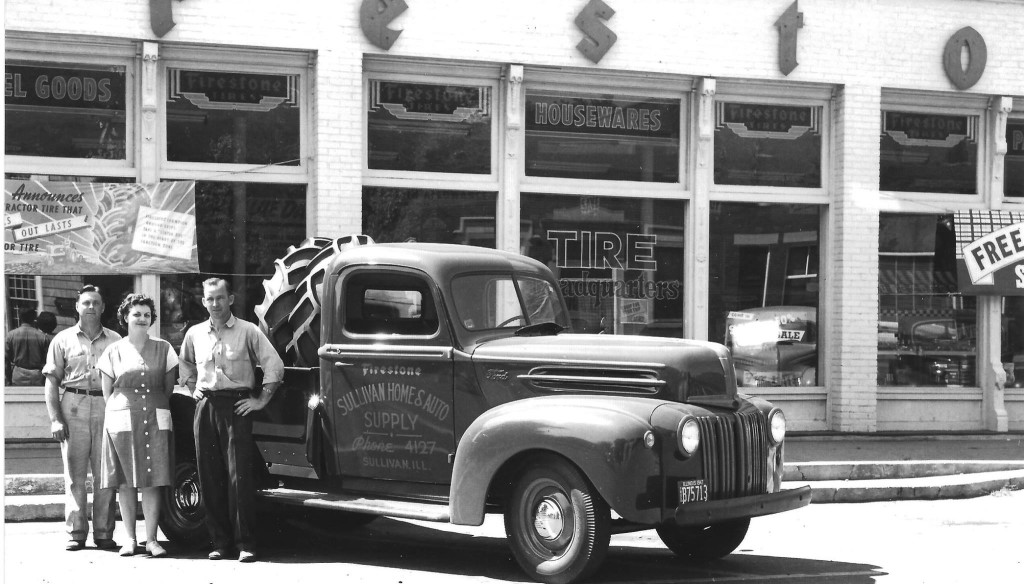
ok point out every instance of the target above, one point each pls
(670, 369)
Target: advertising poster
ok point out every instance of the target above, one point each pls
(990, 252)
(99, 228)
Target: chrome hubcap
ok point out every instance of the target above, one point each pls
(547, 520)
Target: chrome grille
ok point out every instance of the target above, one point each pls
(735, 453)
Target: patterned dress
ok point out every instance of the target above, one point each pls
(137, 425)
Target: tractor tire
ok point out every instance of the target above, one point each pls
(290, 312)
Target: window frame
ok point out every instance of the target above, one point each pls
(1016, 116)
(234, 60)
(804, 95)
(942, 104)
(39, 49)
(382, 68)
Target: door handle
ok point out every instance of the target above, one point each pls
(340, 364)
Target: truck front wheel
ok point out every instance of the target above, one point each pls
(557, 524)
(708, 542)
(182, 517)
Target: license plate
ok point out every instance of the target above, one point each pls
(692, 492)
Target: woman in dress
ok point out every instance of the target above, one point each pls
(138, 376)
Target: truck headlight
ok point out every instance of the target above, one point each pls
(777, 425)
(689, 436)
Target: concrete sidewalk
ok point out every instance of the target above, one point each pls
(849, 468)
(839, 468)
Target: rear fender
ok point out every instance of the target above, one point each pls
(602, 438)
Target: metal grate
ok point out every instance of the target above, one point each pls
(735, 449)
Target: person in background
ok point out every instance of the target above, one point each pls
(76, 417)
(138, 377)
(218, 364)
(47, 322)
(25, 349)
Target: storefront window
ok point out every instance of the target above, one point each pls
(429, 127)
(1013, 340)
(929, 153)
(64, 111)
(619, 261)
(927, 331)
(241, 229)
(609, 137)
(767, 145)
(1013, 179)
(764, 289)
(429, 216)
(240, 118)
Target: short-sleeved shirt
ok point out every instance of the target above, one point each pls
(26, 347)
(214, 360)
(72, 357)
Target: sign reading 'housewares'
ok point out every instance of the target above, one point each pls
(598, 116)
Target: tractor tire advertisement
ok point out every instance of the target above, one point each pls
(99, 228)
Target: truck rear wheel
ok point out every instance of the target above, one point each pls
(557, 524)
(708, 542)
(182, 516)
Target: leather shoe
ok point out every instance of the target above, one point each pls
(105, 544)
(246, 556)
(218, 554)
(74, 545)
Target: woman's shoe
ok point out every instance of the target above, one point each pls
(155, 549)
(128, 549)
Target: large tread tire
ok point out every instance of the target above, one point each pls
(705, 543)
(558, 526)
(182, 515)
(290, 312)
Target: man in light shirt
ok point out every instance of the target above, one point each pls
(218, 364)
(76, 418)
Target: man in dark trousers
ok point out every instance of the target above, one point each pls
(26, 351)
(218, 364)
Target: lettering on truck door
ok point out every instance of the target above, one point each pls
(392, 382)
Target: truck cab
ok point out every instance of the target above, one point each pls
(448, 384)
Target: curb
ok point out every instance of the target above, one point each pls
(921, 488)
(868, 470)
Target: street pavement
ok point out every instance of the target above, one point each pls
(839, 468)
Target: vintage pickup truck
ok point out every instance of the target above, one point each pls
(442, 382)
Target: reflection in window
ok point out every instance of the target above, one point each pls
(241, 118)
(929, 153)
(767, 145)
(927, 332)
(608, 137)
(429, 216)
(619, 261)
(429, 128)
(65, 111)
(241, 228)
(496, 301)
(1013, 179)
(1012, 336)
(763, 301)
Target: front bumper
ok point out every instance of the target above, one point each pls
(741, 507)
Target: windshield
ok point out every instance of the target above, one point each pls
(496, 301)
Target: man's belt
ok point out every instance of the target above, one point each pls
(81, 391)
(227, 393)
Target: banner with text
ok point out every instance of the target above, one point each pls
(990, 252)
(99, 228)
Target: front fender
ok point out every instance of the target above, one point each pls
(602, 435)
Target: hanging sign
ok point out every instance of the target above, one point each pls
(580, 115)
(99, 228)
(990, 252)
(935, 130)
(427, 102)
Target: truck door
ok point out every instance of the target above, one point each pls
(389, 363)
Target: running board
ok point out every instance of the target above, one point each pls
(389, 507)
